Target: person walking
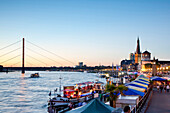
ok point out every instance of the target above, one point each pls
(167, 88)
(161, 88)
(158, 88)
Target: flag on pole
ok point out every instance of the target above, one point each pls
(117, 67)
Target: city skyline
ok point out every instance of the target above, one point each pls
(94, 32)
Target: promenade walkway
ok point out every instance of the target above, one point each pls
(160, 103)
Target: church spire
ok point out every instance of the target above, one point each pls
(138, 47)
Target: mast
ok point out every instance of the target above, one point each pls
(60, 84)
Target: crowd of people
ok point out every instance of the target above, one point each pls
(162, 87)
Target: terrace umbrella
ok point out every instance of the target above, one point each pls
(118, 110)
(95, 106)
(158, 79)
(141, 76)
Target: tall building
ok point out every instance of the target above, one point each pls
(154, 69)
(132, 57)
(141, 61)
(80, 64)
(146, 56)
(138, 53)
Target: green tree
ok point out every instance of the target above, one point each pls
(112, 89)
(114, 93)
(122, 88)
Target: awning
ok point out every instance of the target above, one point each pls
(143, 76)
(156, 78)
(69, 90)
(131, 84)
(133, 92)
(167, 78)
(146, 79)
(136, 88)
(141, 82)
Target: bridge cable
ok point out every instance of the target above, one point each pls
(9, 59)
(10, 52)
(43, 56)
(29, 63)
(50, 52)
(15, 63)
(10, 45)
(36, 59)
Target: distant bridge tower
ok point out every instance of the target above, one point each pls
(23, 53)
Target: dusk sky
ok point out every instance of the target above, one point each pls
(92, 31)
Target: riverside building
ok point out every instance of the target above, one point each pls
(141, 61)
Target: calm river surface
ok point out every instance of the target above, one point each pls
(22, 94)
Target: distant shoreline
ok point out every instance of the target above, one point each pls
(89, 69)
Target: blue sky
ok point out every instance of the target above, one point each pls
(92, 31)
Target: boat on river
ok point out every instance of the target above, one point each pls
(76, 95)
(103, 75)
(35, 75)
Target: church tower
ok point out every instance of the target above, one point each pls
(138, 53)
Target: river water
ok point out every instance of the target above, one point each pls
(22, 94)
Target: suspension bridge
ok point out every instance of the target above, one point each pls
(27, 56)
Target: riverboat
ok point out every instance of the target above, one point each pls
(103, 75)
(79, 93)
(35, 75)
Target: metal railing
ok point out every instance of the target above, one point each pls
(137, 108)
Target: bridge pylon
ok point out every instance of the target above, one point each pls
(23, 55)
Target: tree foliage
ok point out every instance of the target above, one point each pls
(113, 90)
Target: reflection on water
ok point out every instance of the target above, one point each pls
(22, 90)
(21, 94)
